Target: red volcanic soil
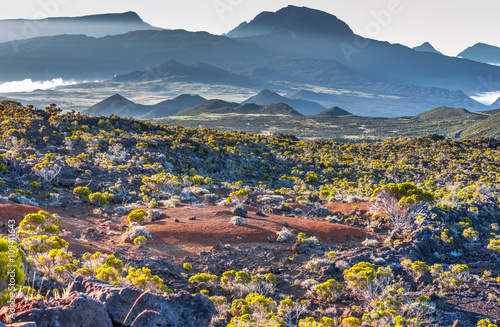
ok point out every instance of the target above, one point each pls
(11, 211)
(188, 237)
(212, 225)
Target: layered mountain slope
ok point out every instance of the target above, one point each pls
(92, 25)
(174, 71)
(295, 33)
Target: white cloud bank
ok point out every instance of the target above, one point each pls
(487, 98)
(28, 85)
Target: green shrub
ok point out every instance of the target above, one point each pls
(12, 274)
(137, 216)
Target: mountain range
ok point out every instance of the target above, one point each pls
(93, 26)
(311, 56)
(120, 106)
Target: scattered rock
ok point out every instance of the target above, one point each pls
(270, 239)
(239, 221)
(135, 230)
(240, 212)
(75, 310)
(218, 246)
(177, 220)
(260, 214)
(342, 265)
(154, 215)
(458, 323)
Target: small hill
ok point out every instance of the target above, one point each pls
(93, 25)
(333, 112)
(483, 53)
(223, 107)
(279, 109)
(488, 128)
(304, 107)
(426, 47)
(117, 105)
(173, 106)
(174, 71)
(210, 106)
(446, 113)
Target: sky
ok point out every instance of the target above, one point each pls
(449, 25)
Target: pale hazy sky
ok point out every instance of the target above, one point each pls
(449, 25)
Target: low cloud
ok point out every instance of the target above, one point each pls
(487, 98)
(28, 85)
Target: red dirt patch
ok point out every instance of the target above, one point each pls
(212, 225)
(12, 211)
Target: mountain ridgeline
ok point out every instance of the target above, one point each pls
(94, 26)
(311, 58)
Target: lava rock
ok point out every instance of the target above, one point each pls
(75, 310)
(182, 309)
(240, 212)
(239, 221)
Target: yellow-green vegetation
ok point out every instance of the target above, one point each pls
(431, 191)
(137, 216)
(12, 276)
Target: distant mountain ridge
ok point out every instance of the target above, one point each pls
(483, 53)
(174, 71)
(91, 25)
(426, 47)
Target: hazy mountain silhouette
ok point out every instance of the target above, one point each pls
(83, 57)
(426, 47)
(93, 25)
(304, 107)
(380, 60)
(174, 71)
(483, 53)
(120, 106)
